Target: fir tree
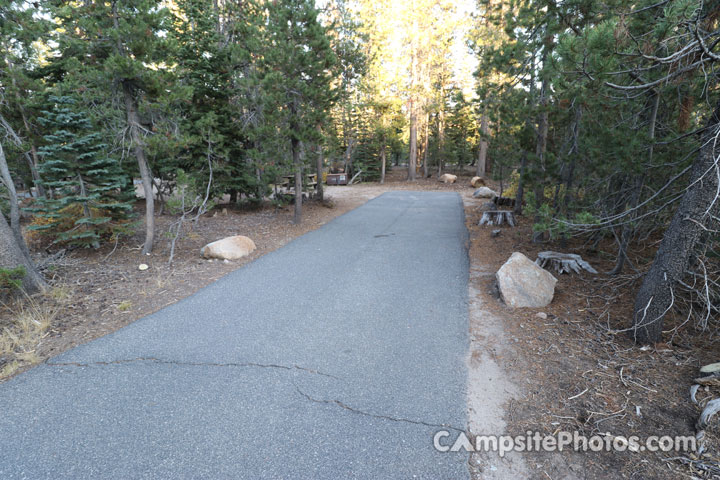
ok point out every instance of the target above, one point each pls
(88, 201)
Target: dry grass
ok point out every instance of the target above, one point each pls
(29, 318)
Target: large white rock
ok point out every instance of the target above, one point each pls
(485, 192)
(522, 283)
(230, 248)
(447, 178)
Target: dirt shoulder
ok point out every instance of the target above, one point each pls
(575, 369)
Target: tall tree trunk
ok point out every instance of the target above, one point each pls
(699, 202)
(319, 168)
(383, 160)
(7, 180)
(426, 170)
(32, 159)
(297, 163)
(637, 183)
(412, 161)
(520, 194)
(11, 256)
(13, 250)
(133, 121)
(540, 149)
(481, 167)
(260, 188)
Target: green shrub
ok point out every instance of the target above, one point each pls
(11, 279)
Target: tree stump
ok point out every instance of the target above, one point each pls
(497, 217)
(504, 201)
(563, 262)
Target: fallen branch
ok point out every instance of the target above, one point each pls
(354, 177)
(708, 412)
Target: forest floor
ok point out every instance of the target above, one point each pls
(571, 371)
(573, 367)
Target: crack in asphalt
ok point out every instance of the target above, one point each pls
(256, 365)
(375, 415)
(191, 364)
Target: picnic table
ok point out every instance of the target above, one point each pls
(287, 183)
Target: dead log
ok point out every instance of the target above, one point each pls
(693, 393)
(710, 380)
(708, 412)
(563, 262)
(711, 369)
(497, 217)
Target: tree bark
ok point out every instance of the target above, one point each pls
(319, 168)
(13, 250)
(295, 145)
(656, 297)
(11, 256)
(133, 121)
(638, 182)
(412, 161)
(540, 149)
(521, 185)
(383, 160)
(481, 167)
(441, 135)
(7, 180)
(426, 170)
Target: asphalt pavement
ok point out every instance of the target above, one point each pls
(337, 356)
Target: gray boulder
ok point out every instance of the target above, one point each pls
(522, 283)
(485, 192)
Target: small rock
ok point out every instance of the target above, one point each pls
(541, 315)
(495, 233)
(230, 248)
(224, 211)
(447, 178)
(485, 192)
(226, 261)
(522, 283)
(142, 267)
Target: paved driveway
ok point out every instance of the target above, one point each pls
(337, 356)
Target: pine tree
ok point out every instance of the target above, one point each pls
(214, 52)
(117, 54)
(297, 73)
(20, 30)
(88, 199)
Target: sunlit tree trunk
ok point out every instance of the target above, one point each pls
(426, 169)
(383, 160)
(412, 161)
